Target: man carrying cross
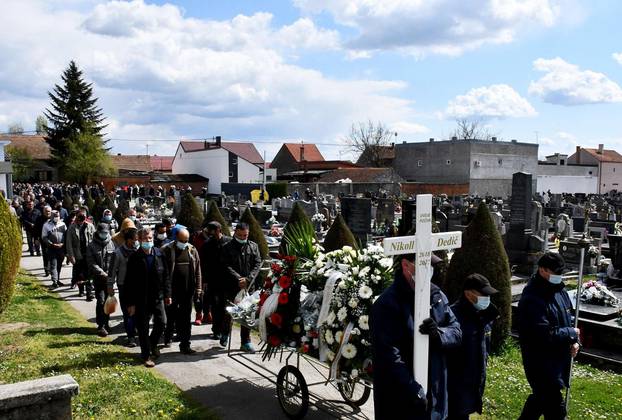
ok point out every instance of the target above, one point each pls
(411, 317)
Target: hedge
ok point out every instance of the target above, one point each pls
(10, 253)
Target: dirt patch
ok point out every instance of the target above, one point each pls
(12, 326)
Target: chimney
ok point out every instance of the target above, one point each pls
(218, 141)
(118, 154)
(302, 152)
(431, 139)
(578, 154)
(454, 138)
(600, 149)
(494, 139)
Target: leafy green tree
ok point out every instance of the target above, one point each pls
(483, 252)
(339, 235)
(86, 158)
(22, 162)
(10, 253)
(214, 215)
(255, 233)
(73, 111)
(41, 125)
(298, 216)
(190, 214)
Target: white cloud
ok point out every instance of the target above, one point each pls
(425, 26)
(161, 74)
(566, 84)
(617, 57)
(495, 101)
(404, 128)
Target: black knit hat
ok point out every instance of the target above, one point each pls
(553, 261)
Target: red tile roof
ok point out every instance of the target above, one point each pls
(35, 145)
(245, 150)
(162, 163)
(311, 152)
(141, 163)
(606, 156)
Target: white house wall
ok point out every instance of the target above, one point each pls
(212, 164)
(559, 184)
(248, 173)
(610, 177)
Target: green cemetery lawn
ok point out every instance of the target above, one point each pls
(595, 393)
(54, 339)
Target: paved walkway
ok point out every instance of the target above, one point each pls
(236, 387)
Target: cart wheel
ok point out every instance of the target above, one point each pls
(292, 392)
(354, 392)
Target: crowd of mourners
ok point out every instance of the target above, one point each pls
(159, 273)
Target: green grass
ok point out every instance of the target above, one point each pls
(595, 393)
(57, 340)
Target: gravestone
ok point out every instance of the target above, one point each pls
(570, 250)
(578, 224)
(442, 221)
(385, 212)
(357, 215)
(409, 209)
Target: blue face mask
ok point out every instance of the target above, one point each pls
(107, 218)
(147, 245)
(482, 303)
(555, 279)
(241, 241)
(182, 245)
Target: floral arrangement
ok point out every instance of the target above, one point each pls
(598, 294)
(318, 218)
(592, 251)
(359, 277)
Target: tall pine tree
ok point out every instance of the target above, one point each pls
(73, 112)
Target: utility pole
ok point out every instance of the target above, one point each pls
(263, 189)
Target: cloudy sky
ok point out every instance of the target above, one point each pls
(270, 71)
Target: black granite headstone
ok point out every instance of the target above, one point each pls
(357, 214)
(520, 204)
(385, 212)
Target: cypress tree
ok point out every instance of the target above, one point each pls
(339, 235)
(298, 216)
(214, 215)
(88, 201)
(10, 253)
(255, 233)
(67, 202)
(483, 252)
(122, 211)
(190, 214)
(73, 111)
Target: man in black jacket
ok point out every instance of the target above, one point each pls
(242, 261)
(548, 339)
(29, 219)
(148, 289)
(99, 258)
(466, 365)
(46, 213)
(214, 276)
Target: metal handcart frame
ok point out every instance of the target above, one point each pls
(292, 389)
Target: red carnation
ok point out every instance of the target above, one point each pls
(274, 341)
(285, 282)
(262, 298)
(305, 348)
(313, 334)
(283, 298)
(268, 284)
(276, 319)
(276, 268)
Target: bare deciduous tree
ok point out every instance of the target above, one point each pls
(472, 129)
(369, 141)
(16, 128)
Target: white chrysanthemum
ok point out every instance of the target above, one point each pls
(365, 292)
(355, 270)
(354, 374)
(328, 336)
(364, 322)
(364, 272)
(330, 355)
(342, 314)
(320, 271)
(318, 263)
(330, 318)
(338, 336)
(386, 262)
(348, 351)
(355, 331)
(346, 248)
(353, 303)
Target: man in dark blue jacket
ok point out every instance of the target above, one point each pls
(548, 339)
(466, 365)
(397, 395)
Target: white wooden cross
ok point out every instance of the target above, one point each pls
(422, 244)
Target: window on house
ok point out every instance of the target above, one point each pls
(449, 161)
(419, 163)
(268, 177)
(562, 162)
(590, 172)
(614, 169)
(500, 161)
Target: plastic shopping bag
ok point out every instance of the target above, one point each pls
(110, 306)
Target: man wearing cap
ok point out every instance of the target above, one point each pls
(99, 257)
(214, 276)
(548, 339)
(53, 237)
(466, 365)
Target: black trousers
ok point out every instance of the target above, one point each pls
(46, 259)
(101, 294)
(148, 342)
(129, 322)
(218, 313)
(544, 400)
(33, 245)
(80, 276)
(202, 303)
(227, 321)
(179, 315)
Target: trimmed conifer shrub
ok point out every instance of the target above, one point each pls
(483, 252)
(214, 215)
(122, 211)
(10, 253)
(298, 216)
(190, 214)
(67, 202)
(277, 189)
(255, 233)
(88, 201)
(339, 235)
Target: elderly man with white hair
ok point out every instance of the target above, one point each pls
(182, 261)
(53, 236)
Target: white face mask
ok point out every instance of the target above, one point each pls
(161, 236)
(555, 278)
(482, 303)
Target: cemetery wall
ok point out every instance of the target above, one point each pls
(411, 188)
(344, 188)
(559, 184)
